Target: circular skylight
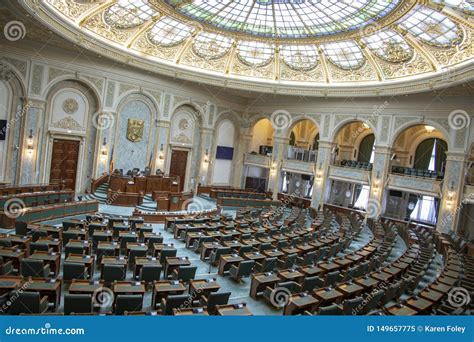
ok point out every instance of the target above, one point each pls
(278, 44)
(286, 19)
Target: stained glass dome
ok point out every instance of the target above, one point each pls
(279, 44)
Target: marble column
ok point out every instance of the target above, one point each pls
(33, 119)
(274, 181)
(379, 177)
(452, 192)
(321, 185)
(103, 152)
(245, 140)
(206, 157)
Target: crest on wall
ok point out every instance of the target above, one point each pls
(135, 130)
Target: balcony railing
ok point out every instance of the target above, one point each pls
(349, 174)
(298, 166)
(257, 160)
(408, 171)
(301, 154)
(420, 185)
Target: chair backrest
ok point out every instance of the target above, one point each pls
(175, 301)
(291, 259)
(333, 309)
(150, 273)
(310, 283)
(374, 299)
(167, 253)
(290, 285)
(245, 249)
(245, 267)
(113, 272)
(73, 270)
(332, 277)
(352, 306)
(26, 302)
(77, 303)
(269, 264)
(32, 268)
(186, 273)
(21, 228)
(217, 298)
(35, 246)
(128, 303)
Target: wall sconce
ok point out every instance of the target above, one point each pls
(273, 167)
(206, 157)
(429, 129)
(161, 154)
(103, 151)
(450, 198)
(29, 143)
(319, 177)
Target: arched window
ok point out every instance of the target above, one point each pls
(431, 155)
(292, 139)
(366, 149)
(315, 146)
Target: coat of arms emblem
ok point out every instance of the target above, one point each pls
(135, 130)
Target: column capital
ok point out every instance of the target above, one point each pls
(326, 144)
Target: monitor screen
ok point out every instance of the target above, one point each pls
(224, 152)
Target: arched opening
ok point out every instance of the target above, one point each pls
(222, 167)
(303, 146)
(262, 138)
(419, 153)
(5, 110)
(354, 150)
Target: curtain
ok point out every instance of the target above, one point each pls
(423, 154)
(363, 198)
(411, 199)
(425, 210)
(440, 156)
(316, 142)
(365, 148)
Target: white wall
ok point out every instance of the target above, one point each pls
(223, 168)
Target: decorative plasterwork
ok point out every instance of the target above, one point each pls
(350, 175)
(377, 76)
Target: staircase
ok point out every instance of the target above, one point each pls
(148, 204)
(100, 195)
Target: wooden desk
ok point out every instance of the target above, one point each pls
(53, 259)
(419, 304)
(51, 243)
(343, 262)
(298, 303)
(191, 237)
(172, 263)
(79, 244)
(310, 271)
(255, 256)
(113, 260)
(290, 250)
(19, 241)
(328, 296)
(14, 254)
(233, 310)
(80, 286)
(86, 260)
(190, 312)
(354, 257)
(129, 288)
(328, 266)
(233, 244)
(431, 295)
(164, 288)
(260, 281)
(350, 289)
(440, 287)
(401, 310)
(305, 248)
(207, 248)
(142, 261)
(158, 247)
(367, 282)
(273, 253)
(382, 276)
(47, 287)
(226, 261)
(9, 283)
(200, 287)
(291, 275)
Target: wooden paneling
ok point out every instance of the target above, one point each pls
(179, 160)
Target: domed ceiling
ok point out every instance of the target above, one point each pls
(289, 46)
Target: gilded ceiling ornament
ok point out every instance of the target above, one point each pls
(70, 106)
(395, 52)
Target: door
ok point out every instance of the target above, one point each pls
(179, 160)
(64, 163)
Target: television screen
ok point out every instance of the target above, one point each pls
(226, 153)
(3, 129)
